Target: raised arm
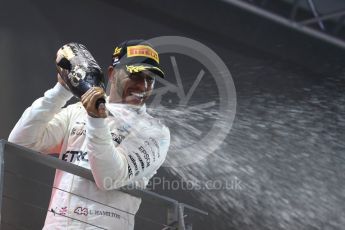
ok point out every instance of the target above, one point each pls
(43, 125)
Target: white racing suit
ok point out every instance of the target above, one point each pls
(123, 149)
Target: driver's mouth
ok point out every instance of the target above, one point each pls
(138, 96)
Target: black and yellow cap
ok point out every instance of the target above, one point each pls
(136, 56)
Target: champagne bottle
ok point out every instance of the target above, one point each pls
(79, 70)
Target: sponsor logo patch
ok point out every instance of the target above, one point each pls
(146, 155)
(135, 164)
(70, 156)
(91, 212)
(142, 51)
(118, 138)
(78, 132)
(117, 51)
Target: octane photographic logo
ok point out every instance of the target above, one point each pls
(196, 100)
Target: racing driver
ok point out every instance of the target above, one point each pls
(120, 143)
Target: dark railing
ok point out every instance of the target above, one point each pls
(26, 181)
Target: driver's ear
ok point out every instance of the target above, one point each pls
(111, 73)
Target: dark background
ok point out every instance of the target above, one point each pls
(289, 125)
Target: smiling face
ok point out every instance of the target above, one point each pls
(127, 88)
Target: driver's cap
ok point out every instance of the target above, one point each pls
(136, 56)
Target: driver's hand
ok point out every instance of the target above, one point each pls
(89, 102)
